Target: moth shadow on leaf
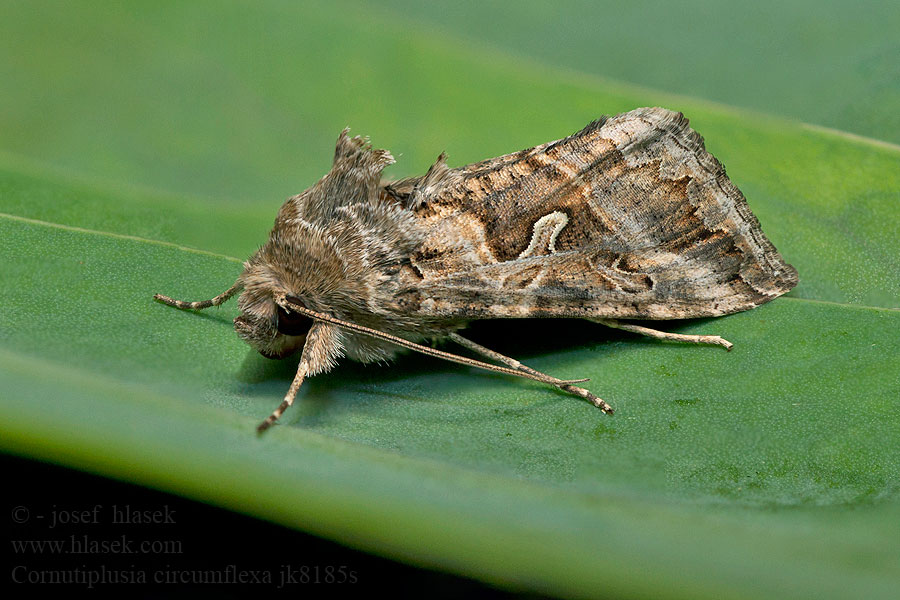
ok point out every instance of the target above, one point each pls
(522, 339)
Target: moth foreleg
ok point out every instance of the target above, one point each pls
(662, 335)
(321, 348)
(220, 299)
(487, 352)
(302, 369)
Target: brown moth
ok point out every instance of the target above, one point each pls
(630, 218)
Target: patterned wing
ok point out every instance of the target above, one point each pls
(630, 217)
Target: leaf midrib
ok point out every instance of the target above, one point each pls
(119, 236)
(188, 249)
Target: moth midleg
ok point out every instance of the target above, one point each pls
(220, 299)
(487, 352)
(662, 335)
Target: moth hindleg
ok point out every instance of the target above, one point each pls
(487, 352)
(662, 335)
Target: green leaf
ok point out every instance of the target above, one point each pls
(825, 62)
(771, 470)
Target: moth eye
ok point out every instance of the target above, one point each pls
(291, 323)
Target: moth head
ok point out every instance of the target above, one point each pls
(270, 329)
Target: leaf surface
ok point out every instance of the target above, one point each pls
(771, 470)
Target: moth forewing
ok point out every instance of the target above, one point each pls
(629, 218)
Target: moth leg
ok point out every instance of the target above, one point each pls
(572, 389)
(662, 335)
(302, 369)
(320, 352)
(220, 299)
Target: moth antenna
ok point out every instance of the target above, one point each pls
(293, 304)
(220, 299)
(302, 369)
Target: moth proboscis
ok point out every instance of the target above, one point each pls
(629, 218)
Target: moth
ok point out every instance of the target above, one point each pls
(630, 218)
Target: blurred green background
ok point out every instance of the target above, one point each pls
(145, 147)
